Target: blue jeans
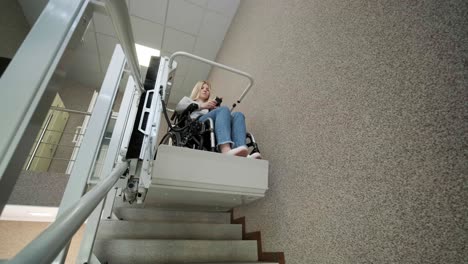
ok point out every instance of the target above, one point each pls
(229, 128)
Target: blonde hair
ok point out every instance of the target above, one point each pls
(197, 88)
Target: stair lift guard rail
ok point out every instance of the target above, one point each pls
(219, 65)
(105, 208)
(49, 243)
(92, 139)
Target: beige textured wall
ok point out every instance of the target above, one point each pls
(13, 27)
(15, 235)
(75, 96)
(360, 107)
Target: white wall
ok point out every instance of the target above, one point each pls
(15, 235)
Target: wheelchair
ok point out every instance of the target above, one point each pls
(183, 131)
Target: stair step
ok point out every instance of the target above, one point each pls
(158, 230)
(143, 251)
(159, 215)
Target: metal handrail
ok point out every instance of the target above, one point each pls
(118, 12)
(49, 158)
(61, 109)
(61, 145)
(36, 147)
(49, 243)
(219, 65)
(63, 132)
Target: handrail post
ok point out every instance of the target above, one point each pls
(120, 17)
(38, 143)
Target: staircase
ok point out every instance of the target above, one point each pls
(156, 236)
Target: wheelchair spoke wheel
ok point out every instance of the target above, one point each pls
(170, 139)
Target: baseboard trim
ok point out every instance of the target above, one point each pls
(262, 256)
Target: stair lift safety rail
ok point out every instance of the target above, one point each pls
(222, 66)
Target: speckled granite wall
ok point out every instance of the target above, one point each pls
(360, 107)
(39, 189)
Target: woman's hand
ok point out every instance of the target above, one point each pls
(208, 104)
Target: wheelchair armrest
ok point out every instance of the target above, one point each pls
(179, 117)
(174, 115)
(192, 107)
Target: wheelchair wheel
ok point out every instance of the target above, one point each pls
(171, 139)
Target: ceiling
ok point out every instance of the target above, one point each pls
(195, 26)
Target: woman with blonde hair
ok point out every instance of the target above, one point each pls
(229, 127)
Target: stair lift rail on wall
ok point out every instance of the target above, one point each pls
(25, 101)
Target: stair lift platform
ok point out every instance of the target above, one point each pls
(176, 177)
(184, 177)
